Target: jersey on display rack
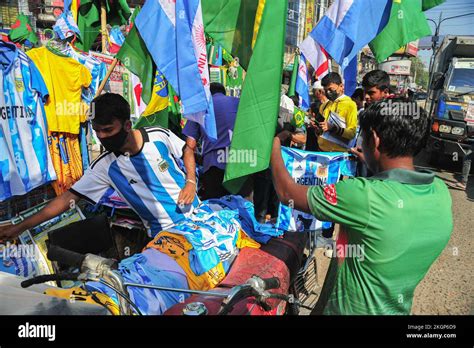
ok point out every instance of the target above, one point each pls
(25, 162)
(65, 78)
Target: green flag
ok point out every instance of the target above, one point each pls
(168, 118)
(157, 119)
(174, 112)
(429, 4)
(294, 75)
(298, 117)
(259, 105)
(407, 23)
(88, 19)
(233, 24)
(135, 57)
(21, 30)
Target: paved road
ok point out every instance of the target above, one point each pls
(448, 287)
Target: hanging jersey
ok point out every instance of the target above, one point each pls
(25, 162)
(150, 181)
(65, 79)
(65, 151)
(311, 169)
(97, 69)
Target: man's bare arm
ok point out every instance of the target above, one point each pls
(287, 190)
(57, 206)
(186, 196)
(189, 160)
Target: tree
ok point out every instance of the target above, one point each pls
(419, 71)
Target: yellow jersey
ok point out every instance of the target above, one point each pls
(64, 77)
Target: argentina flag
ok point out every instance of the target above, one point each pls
(311, 169)
(302, 84)
(349, 25)
(173, 32)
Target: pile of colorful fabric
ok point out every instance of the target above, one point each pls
(195, 254)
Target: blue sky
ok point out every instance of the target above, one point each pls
(457, 26)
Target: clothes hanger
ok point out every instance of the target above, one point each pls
(77, 49)
(50, 45)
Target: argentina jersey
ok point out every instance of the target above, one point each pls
(25, 161)
(150, 181)
(311, 169)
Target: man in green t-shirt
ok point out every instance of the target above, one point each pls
(393, 225)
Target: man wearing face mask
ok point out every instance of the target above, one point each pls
(141, 165)
(339, 106)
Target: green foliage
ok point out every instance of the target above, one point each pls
(419, 70)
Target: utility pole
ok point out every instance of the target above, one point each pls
(103, 25)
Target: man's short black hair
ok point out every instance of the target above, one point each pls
(402, 126)
(217, 87)
(332, 77)
(109, 106)
(376, 78)
(358, 94)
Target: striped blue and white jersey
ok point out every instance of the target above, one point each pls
(25, 161)
(149, 181)
(311, 169)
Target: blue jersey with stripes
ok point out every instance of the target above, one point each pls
(25, 161)
(311, 169)
(149, 181)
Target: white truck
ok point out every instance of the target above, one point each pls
(451, 99)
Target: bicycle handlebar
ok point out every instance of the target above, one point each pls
(271, 283)
(49, 277)
(68, 257)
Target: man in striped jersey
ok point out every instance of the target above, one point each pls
(141, 165)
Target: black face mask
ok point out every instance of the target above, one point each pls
(115, 142)
(332, 95)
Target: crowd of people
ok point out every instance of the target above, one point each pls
(402, 217)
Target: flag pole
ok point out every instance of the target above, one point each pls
(106, 78)
(103, 25)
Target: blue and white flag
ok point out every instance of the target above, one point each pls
(350, 77)
(65, 26)
(349, 25)
(173, 32)
(311, 169)
(302, 84)
(67, 5)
